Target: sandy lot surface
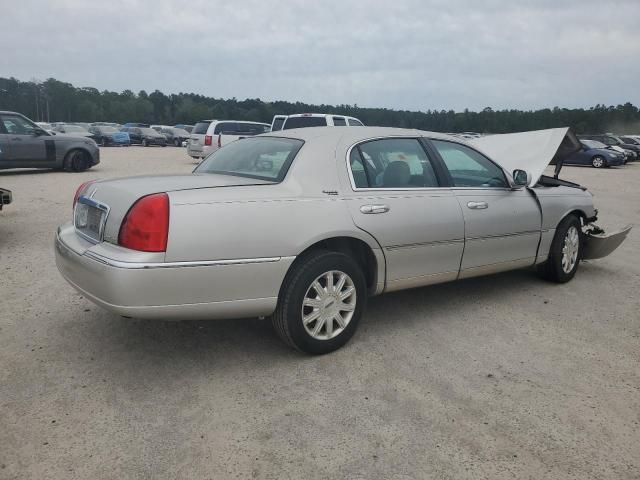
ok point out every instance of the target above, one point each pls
(497, 377)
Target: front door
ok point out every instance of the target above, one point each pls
(28, 145)
(399, 197)
(502, 226)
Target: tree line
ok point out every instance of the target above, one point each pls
(52, 100)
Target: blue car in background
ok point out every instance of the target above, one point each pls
(106, 135)
(596, 154)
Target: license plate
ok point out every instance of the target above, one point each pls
(89, 219)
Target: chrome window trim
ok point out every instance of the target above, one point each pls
(100, 206)
(383, 189)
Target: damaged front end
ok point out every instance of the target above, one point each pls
(599, 244)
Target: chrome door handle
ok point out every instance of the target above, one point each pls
(478, 205)
(374, 208)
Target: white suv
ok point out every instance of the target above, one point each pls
(302, 120)
(209, 135)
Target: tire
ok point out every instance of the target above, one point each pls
(556, 268)
(163, 144)
(176, 142)
(103, 142)
(308, 277)
(598, 162)
(145, 143)
(76, 161)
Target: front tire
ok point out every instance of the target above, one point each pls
(176, 142)
(322, 299)
(565, 253)
(103, 142)
(598, 162)
(145, 143)
(76, 161)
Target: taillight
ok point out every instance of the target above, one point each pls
(219, 140)
(80, 189)
(207, 140)
(146, 225)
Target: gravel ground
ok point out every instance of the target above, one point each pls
(497, 377)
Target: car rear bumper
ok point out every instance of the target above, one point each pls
(172, 291)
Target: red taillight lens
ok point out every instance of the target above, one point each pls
(146, 225)
(207, 140)
(80, 189)
(219, 140)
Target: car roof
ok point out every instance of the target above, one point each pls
(356, 134)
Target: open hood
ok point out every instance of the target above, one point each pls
(530, 151)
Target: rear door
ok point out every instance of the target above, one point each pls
(502, 226)
(399, 195)
(28, 145)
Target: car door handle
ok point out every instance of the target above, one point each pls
(374, 208)
(477, 205)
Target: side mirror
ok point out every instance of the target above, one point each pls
(521, 178)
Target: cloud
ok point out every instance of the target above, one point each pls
(401, 54)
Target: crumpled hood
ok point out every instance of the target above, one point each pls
(530, 151)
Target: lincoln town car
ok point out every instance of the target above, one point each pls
(304, 225)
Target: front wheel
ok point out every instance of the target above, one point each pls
(76, 161)
(176, 142)
(321, 302)
(598, 162)
(565, 253)
(103, 142)
(145, 143)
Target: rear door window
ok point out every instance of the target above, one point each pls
(226, 128)
(201, 128)
(339, 122)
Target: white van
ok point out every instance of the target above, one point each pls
(209, 135)
(302, 120)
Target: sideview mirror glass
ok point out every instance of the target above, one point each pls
(521, 178)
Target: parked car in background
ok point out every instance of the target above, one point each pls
(144, 136)
(209, 135)
(188, 128)
(175, 136)
(84, 125)
(106, 124)
(71, 129)
(105, 135)
(615, 141)
(6, 197)
(302, 120)
(45, 126)
(134, 124)
(303, 226)
(277, 122)
(596, 154)
(23, 144)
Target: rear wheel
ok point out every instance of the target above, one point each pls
(176, 142)
(76, 161)
(565, 252)
(145, 143)
(321, 302)
(598, 162)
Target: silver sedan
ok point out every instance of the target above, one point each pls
(303, 226)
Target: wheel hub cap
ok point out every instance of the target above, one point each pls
(570, 249)
(328, 305)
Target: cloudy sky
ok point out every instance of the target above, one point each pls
(400, 54)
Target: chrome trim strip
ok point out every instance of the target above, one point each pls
(201, 263)
(424, 244)
(515, 234)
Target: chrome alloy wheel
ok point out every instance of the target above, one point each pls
(570, 249)
(328, 305)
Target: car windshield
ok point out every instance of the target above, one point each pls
(263, 158)
(149, 131)
(629, 140)
(178, 132)
(593, 144)
(108, 129)
(300, 122)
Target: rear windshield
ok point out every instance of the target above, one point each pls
(263, 158)
(302, 122)
(201, 128)
(277, 124)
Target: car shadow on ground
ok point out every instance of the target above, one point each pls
(254, 340)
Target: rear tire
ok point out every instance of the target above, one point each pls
(176, 142)
(598, 162)
(76, 161)
(321, 301)
(145, 143)
(565, 253)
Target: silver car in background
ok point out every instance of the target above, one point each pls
(304, 225)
